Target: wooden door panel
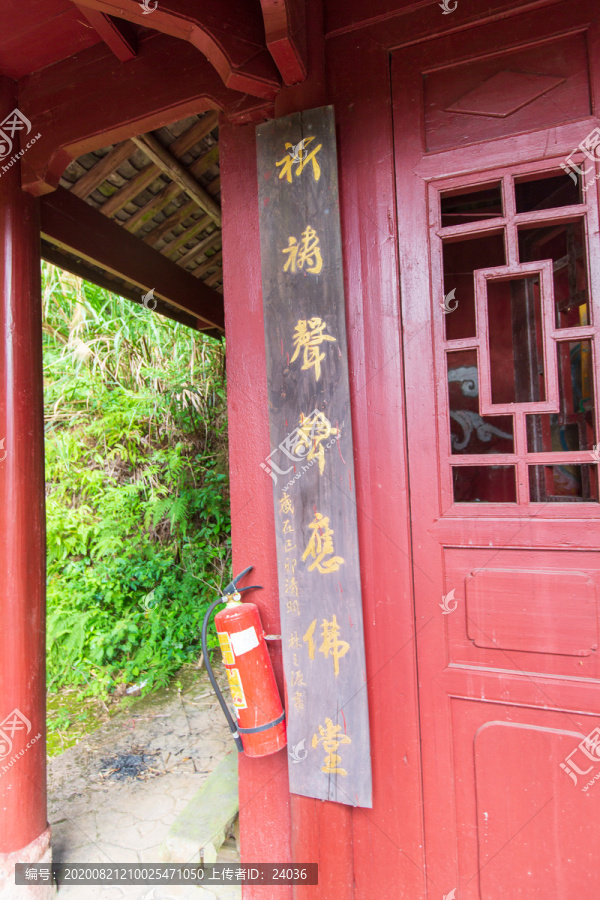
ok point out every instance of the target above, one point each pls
(500, 277)
(525, 830)
(524, 610)
(520, 609)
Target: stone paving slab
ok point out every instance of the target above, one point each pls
(100, 813)
(202, 827)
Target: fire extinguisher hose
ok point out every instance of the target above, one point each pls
(232, 725)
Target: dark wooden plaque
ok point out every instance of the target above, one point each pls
(311, 459)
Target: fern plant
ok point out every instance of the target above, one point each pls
(137, 491)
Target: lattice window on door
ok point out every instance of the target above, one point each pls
(519, 336)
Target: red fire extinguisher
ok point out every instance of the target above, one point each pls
(260, 726)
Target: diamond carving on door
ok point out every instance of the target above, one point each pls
(503, 94)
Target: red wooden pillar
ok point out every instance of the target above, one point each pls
(264, 786)
(24, 835)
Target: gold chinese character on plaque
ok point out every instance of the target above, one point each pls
(286, 507)
(308, 337)
(306, 253)
(298, 679)
(293, 607)
(320, 546)
(300, 156)
(291, 586)
(294, 640)
(331, 740)
(332, 645)
(312, 431)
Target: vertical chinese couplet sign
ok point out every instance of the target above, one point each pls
(311, 460)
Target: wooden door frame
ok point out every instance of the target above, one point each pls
(387, 840)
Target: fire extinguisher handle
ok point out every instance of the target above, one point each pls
(232, 586)
(213, 680)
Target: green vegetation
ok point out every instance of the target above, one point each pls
(136, 487)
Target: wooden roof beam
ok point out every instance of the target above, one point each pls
(285, 28)
(204, 162)
(203, 245)
(95, 176)
(208, 264)
(178, 148)
(130, 189)
(161, 157)
(216, 276)
(152, 207)
(228, 32)
(172, 221)
(116, 34)
(164, 197)
(74, 226)
(197, 132)
(98, 173)
(180, 240)
(146, 176)
(53, 255)
(72, 103)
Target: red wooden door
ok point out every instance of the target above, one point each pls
(500, 278)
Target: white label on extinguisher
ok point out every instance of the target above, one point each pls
(243, 641)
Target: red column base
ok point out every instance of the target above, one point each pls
(38, 851)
